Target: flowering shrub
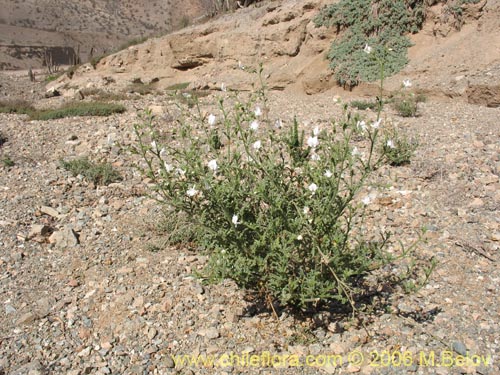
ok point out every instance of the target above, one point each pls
(277, 209)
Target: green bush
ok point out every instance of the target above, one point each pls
(278, 211)
(98, 173)
(383, 30)
(78, 109)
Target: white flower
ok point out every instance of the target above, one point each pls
(180, 172)
(316, 131)
(366, 200)
(163, 153)
(211, 119)
(212, 164)
(306, 210)
(235, 221)
(191, 192)
(254, 125)
(315, 157)
(313, 187)
(258, 112)
(361, 125)
(390, 144)
(355, 151)
(407, 83)
(168, 167)
(223, 87)
(367, 49)
(257, 145)
(154, 146)
(241, 66)
(299, 237)
(313, 142)
(278, 124)
(376, 124)
(328, 173)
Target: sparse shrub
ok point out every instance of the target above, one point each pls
(398, 149)
(406, 107)
(405, 102)
(98, 173)
(78, 109)
(278, 211)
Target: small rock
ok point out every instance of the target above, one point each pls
(26, 318)
(50, 211)
(459, 347)
(39, 230)
(152, 332)
(168, 362)
(210, 333)
(64, 238)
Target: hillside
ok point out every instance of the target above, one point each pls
(97, 25)
(445, 61)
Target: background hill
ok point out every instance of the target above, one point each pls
(84, 25)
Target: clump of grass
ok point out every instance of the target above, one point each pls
(363, 105)
(98, 173)
(18, 106)
(78, 109)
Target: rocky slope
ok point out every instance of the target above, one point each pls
(87, 285)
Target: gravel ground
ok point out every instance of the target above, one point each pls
(87, 287)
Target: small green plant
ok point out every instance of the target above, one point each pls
(405, 102)
(78, 109)
(277, 210)
(406, 107)
(98, 173)
(52, 77)
(363, 105)
(398, 149)
(7, 161)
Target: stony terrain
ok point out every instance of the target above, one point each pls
(88, 286)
